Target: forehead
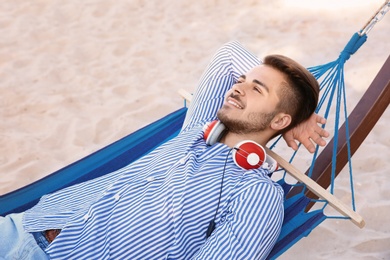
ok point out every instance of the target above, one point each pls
(269, 76)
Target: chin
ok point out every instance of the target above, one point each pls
(222, 115)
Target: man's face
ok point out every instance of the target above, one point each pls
(251, 103)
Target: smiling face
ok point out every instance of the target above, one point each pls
(251, 104)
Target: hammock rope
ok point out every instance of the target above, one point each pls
(375, 18)
(332, 86)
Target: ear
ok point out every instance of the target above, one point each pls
(280, 121)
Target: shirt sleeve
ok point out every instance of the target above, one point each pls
(230, 61)
(53, 210)
(250, 228)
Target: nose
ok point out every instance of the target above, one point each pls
(239, 88)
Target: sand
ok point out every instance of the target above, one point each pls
(78, 75)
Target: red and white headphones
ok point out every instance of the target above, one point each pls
(246, 154)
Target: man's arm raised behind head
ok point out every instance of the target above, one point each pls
(230, 61)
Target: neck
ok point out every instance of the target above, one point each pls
(231, 139)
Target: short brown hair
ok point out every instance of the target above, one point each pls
(299, 97)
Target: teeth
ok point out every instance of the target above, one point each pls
(234, 104)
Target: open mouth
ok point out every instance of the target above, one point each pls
(234, 103)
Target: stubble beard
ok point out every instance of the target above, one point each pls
(255, 122)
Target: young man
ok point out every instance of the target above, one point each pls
(161, 206)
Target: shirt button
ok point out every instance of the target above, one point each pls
(86, 217)
(150, 179)
(182, 161)
(116, 197)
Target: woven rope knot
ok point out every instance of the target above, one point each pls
(352, 46)
(345, 55)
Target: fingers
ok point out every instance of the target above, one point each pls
(289, 139)
(319, 141)
(319, 119)
(309, 145)
(308, 133)
(323, 133)
(313, 138)
(318, 133)
(292, 144)
(319, 130)
(318, 136)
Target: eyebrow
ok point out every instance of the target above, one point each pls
(257, 82)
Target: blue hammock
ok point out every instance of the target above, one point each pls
(115, 156)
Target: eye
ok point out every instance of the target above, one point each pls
(257, 89)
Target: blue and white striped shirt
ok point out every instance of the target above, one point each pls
(160, 206)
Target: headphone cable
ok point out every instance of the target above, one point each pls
(211, 226)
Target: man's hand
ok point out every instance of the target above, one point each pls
(308, 133)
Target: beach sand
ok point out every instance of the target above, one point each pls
(78, 75)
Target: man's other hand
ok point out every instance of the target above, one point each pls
(308, 133)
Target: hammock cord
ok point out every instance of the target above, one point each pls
(332, 87)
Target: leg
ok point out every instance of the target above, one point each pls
(15, 243)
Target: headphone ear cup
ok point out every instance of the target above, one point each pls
(213, 131)
(248, 155)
